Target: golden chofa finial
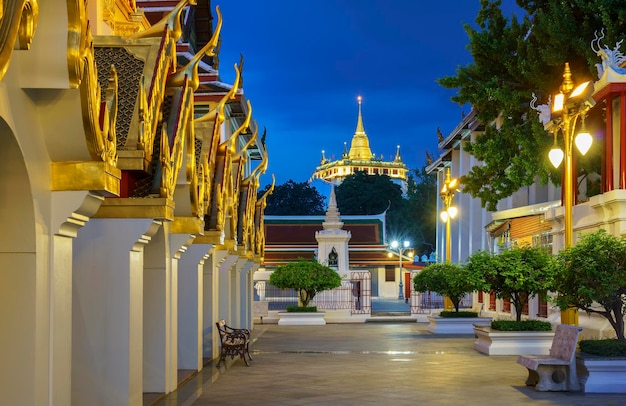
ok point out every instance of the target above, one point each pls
(240, 154)
(568, 84)
(190, 70)
(219, 109)
(244, 127)
(171, 21)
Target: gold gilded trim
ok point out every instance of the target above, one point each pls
(95, 176)
(18, 21)
(187, 225)
(210, 237)
(149, 208)
(77, 24)
(28, 24)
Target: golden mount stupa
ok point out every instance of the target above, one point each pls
(360, 158)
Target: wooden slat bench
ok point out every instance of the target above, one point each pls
(556, 371)
(233, 342)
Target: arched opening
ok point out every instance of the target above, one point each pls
(18, 274)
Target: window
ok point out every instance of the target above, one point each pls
(390, 273)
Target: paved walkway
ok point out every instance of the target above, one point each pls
(368, 364)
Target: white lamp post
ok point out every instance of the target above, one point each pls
(399, 249)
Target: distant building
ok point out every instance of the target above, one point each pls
(360, 158)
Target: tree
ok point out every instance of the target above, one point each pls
(512, 59)
(419, 208)
(591, 276)
(361, 193)
(409, 217)
(308, 277)
(447, 279)
(293, 198)
(517, 274)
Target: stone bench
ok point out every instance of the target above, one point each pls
(556, 371)
(233, 342)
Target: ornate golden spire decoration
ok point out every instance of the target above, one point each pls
(241, 129)
(359, 121)
(171, 21)
(398, 158)
(191, 69)
(440, 137)
(219, 109)
(568, 84)
(360, 147)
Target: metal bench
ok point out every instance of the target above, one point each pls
(556, 371)
(233, 342)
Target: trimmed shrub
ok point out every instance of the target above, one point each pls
(604, 348)
(451, 314)
(523, 325)
(301, 309)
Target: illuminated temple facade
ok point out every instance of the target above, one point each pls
(360, 158)
(130, 218)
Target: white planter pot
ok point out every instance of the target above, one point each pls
(301, 319)
(495, 342)
(600, 374)
(455, 325)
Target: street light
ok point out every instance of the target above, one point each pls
(447, 194)
(399, 250)
(450, 186)
(570, 104)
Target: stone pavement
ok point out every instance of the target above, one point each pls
(368, 364)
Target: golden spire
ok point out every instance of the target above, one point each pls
(568, 85)
(360, 147)
(359, 121)
(398, 157)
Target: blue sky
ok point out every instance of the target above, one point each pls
(306, 61)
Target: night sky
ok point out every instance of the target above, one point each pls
(306, 61)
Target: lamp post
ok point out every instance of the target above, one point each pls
(400, 249)
(569, 105)
(447, 194)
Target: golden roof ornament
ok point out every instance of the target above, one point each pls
(398, 158)
(360, 147)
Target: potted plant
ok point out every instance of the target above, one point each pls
(591, 276)
(455, 282)
(517, 274)
(307, 277)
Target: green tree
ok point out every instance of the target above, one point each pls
(292, 198)
(517, 274)
(410, 217)
(307, 277)
(419, 208)
(361, 193)
(512, 59)
(592, 277)
(447, 279)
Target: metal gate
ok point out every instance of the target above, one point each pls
(361, 292)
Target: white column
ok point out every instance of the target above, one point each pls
(61, 247)
(190, 305)
(107, 323)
